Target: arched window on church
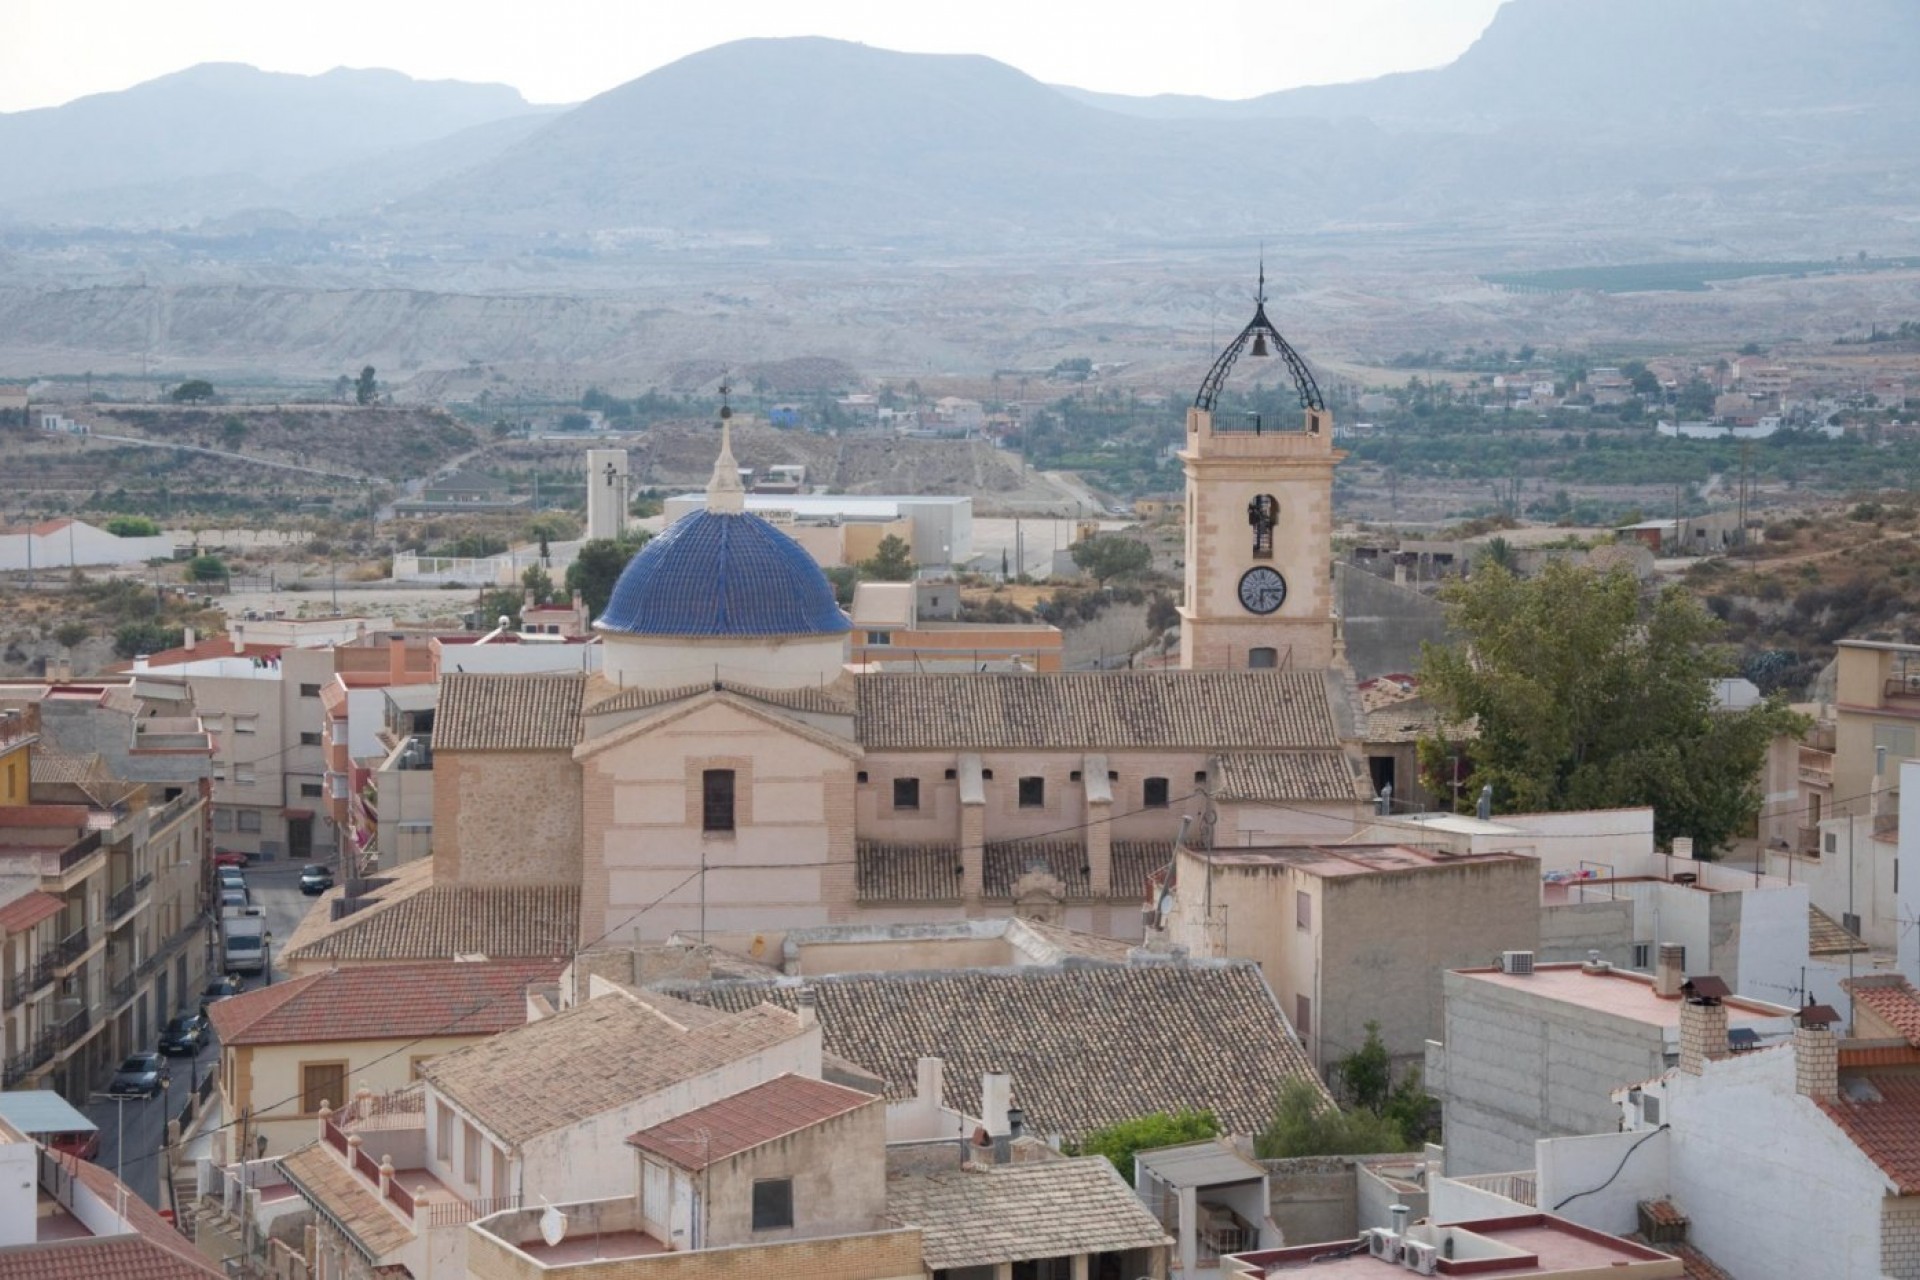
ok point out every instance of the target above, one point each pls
(1263, 658)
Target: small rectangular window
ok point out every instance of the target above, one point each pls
(1649, 1109)
(309, 690)
(906, 793)
(773, 1204)
(1074, 776)
(1033, 793)
(716, 800)
(1302, 909)
(246, 724)
(879, 637)
(223, 819)
(247, 820)
(1303, 1015)
(1154, 793)
(243, 775)
(1643, 955)
(1199, 777)
(309, 739)
(951, 775)
(322, 1082)
(310, 790)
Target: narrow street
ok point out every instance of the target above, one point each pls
(131, 1131)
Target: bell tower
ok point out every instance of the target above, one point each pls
(1259, 532)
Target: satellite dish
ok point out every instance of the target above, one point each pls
(1166, 906)
(553, 1226)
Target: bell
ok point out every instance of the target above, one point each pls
(1259, 344)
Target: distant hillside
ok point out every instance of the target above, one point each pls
(238, 129)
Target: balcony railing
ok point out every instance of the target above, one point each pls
(71, 947)
(120, 990)
(172, 809)
(126, 898)
(22, 1064)
(73, 1030)
(79, 851)
(1902, 686)
(456, 1213)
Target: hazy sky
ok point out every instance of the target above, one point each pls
(52, 51)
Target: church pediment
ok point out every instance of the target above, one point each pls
(712, 711)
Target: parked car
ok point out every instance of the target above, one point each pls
(230, 878)
(231, 857)
(231, 897)
(142, 1075)
(184, 1034)
(218, 989)
(315, 878)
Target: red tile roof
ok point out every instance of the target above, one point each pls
(114, 1258)
(1895, 1003)
(1887, 1128)
(384, 1002)
(27, 911)
(721, 1130)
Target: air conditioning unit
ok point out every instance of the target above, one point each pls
(1519, 962)
(1383, 1243)
(1419, 1257)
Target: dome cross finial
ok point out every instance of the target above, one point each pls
(725, 493)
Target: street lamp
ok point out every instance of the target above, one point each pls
(119, 1101)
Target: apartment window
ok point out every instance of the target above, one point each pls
(1263, 658)
(246, 724)
(716, 800)
(322, 1082)
(339, 733)
(243, 775)
(247, 820)
(772, 1204)
(1302, 909)
(309, 690)
(1303, 1015)
(1643, 955)
(338, 781)
(223, 819)
(879, 637)
(310, 790)
(906, 793)
(1153, 793)
(310, 739)
(1033, 793)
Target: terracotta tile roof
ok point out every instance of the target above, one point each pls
(1283, 776)
(1174, 710)
(986, 1215)
(615, 1049)
(28, 910)
(1895, 1003)
(602, 696)
(1827, 936)
(888, 872)
(382, 1002)
(1881, 1113)
(344, 1197)
(50, 764)
(783, 1105)
(429, 921)
(1698, 1266)
(112, 1258)
(1087, 1045)
(508, 712)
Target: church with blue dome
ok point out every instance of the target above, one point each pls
(722, 594)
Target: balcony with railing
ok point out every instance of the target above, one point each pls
(74, 1028)
(383, 1139)
(72, 949)
(127, 899)
(1816, 767)
(18, 1067)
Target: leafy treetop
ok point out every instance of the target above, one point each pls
(194, 389)
(598, 566)
(1118, 1142)
(892, 561)
(1585, 695)
(1108, 556)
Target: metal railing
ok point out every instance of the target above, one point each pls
(172, 809)
(121, 990)
(455, 1213)
(73, 1030)
(126, 898)
(80, 850)
(22, 1064)
(71, 947)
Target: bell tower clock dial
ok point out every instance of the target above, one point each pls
(1259, 517)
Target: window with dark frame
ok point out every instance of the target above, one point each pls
(906, 793)
(716, 800)
(1154, 793)
(1033, 793)
(322, 1082)
(773, 1204)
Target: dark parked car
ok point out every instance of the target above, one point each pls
(141, 1076)
(315, 878)
(184, 1034)
(218, 989)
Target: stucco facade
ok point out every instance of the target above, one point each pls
(507, 817)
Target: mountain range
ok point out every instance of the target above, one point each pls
(1756, 124)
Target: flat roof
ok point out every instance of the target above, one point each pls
(1620, 992)
(1536, 1244)
(1460, 823)
(830, 504)
(1335, 861)
(1200, 1164)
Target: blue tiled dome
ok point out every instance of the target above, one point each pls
(723, 574)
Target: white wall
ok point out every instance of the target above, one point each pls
(1909, 896)
(497, 658)
(19, 1191)
(1773, 943)
(1565, 1168)
(86, 545)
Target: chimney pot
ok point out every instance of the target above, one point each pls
(1669, 970)
(1816, 1062)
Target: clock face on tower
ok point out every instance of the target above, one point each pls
(1262, 590)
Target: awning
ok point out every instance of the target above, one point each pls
(29, 910)
(38, 1111)
(296, 813)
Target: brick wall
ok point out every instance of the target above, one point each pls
(507, 817)
(1900, 1237)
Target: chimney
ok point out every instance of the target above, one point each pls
(803, 1006)
(1683, 847)
(996, 1099)
(1667, 970)
(189, 639)
(396, 658)
(930, 1081)
(59, 670)
(1816, 1053)
(1703, 1023)
(239, 633)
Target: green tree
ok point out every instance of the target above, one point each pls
(1585, 695)
(71, 635)
(1108, 555)
(132, 527)
(599, 565)
(232, 432)
(538, 584)
(1366, 1078)
(1305, 1123)
(191, 392)
(1118, 1142)
(135, 638)
(206, 569)
(365, 387)
(500, 602)
(1499, 553)
(892, 561)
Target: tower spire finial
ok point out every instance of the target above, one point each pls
(1260, 293)
(725, 493)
